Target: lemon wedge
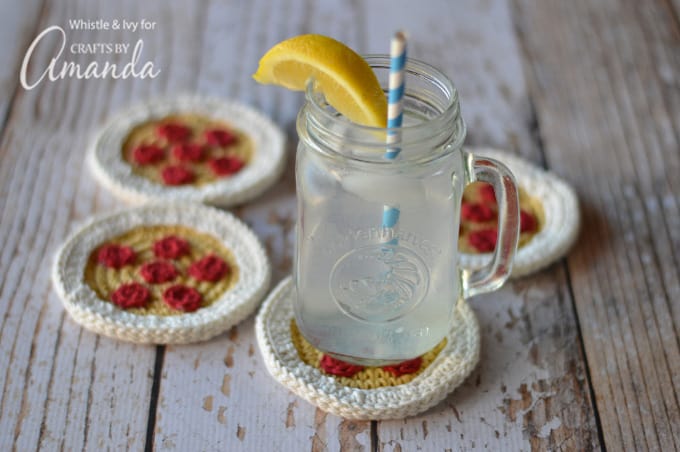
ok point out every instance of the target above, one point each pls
(345, 79)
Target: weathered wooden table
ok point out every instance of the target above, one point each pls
(583, 355)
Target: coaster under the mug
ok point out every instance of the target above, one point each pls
(446, 372)
(203, 230)
(560, 220)
(263, 168)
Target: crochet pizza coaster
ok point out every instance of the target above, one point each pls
(549, 217)
(171, 273)
(357, 392)
(188, 148)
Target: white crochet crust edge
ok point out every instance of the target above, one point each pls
(451, 366)
(102, 317)
(560, 207)
(267, 164)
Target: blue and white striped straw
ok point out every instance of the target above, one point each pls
(395, 114)
(395, 96)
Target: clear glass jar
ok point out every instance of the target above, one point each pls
(376, 266)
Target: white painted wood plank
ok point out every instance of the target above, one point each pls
(62, 387)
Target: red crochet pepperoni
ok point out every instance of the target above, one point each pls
(173, 132)
(527, 222)
(133, 295)
(188, 152)
(476, 212)
(406, 367)
(183, 298)
(158, 272)
(334, 366)
(210, 268)
(483, 240)
(487, 194)
(220, 137)
(115, 256)
(177, 175)
(225, 166)
(171, 247)
(147, 154)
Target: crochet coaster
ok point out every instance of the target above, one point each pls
(549, 217)
(355, 392)
(188, 148)
(172, 273)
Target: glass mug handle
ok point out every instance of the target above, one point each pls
(495, 273)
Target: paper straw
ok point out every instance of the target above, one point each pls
(395, 114)
(395, 96)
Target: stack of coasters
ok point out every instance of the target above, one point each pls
(549, 217)
(169, 273)
(188, 148)
(356, 392)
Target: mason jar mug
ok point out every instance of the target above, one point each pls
(376, 267)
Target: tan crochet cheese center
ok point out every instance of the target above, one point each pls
(145, 133)
(104, 281)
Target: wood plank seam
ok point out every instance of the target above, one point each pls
(534, 126)
(582, 350)
(154, 399)
(673, 11)
(57, 342)
(374, 436)
(90, 389)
